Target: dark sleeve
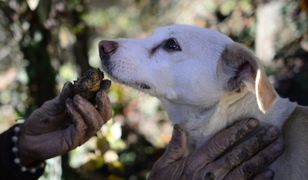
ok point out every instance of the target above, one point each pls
(8, 169)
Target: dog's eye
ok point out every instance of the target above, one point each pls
(171, 45)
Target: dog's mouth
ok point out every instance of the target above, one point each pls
(135, 84)
(139, 85)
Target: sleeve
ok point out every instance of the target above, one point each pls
(8, 169)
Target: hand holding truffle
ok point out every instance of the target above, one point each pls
(65, 122)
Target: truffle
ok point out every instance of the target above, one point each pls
(89, 83)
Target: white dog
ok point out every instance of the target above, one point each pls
(205, 82)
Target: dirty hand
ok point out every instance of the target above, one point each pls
(62, 124)
(214, 160)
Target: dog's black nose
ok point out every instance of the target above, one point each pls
(107, 48)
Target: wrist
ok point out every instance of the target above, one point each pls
(20, 159)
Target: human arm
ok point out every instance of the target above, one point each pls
(58, 126)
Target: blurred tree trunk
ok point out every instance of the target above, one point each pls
(41, 74)
(81, 31)
(81, 50)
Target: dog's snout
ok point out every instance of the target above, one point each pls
(107, 47)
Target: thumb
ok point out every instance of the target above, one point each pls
(58, 103)
(177, 146)
(67, 92)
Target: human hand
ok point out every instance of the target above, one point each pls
(62, 124)
(215, 160)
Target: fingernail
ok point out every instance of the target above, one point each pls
(68, 104)
(68, 86)
(77, 98)
(277, 147)
(272, 132)
(252, 123)
(269, 174)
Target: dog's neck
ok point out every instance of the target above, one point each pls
(202, 122)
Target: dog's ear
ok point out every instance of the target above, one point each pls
(241, 70)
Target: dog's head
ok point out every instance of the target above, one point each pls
(187, 65)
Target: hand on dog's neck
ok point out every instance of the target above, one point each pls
(202, 122)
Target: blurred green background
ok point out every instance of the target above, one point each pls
(44, 43)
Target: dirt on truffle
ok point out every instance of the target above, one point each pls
(89, 83)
